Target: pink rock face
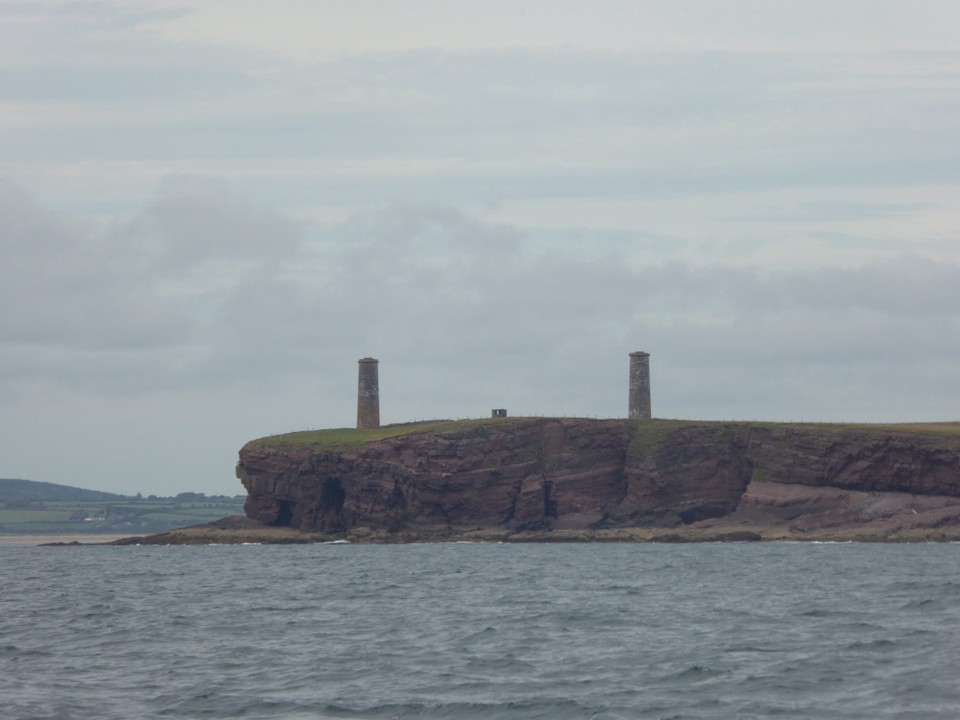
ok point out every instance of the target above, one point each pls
(550, 473)
(808, 508)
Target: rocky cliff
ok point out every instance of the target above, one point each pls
(536, 475)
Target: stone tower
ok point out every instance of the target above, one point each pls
(639, 386)
(368, 395)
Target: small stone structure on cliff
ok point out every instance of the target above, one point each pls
(368, 394)
(639, 408)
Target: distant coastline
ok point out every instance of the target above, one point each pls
(32, 508)
(63, 539)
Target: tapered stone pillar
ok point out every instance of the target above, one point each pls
(639, 386)
(368, 395)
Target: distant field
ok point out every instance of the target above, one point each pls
(130, 516)
(33, 516)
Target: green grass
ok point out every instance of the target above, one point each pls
(133, 517)
(344, 440)
(925, 428)
(347, 440)
(941, 428)
(33, 516)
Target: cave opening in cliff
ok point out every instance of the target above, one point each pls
(284, 514)
(549, 502)
(703, 512)
(332, 496)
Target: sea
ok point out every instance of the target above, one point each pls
(461, 631)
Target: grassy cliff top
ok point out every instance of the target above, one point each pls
(351, 439)
(345, 440)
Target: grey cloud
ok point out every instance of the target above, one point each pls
(500, 323)
(908, 285)
(58, 283)
(112, 14)
(214, 293)
(96, 12)
(198, 221)
(516, 124)
(108, 55)
(139, 295)
(834, 211)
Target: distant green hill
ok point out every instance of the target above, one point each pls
(34, 491)
(30, 508)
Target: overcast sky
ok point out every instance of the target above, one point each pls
(210, 209)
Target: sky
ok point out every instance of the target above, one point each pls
(210, 210)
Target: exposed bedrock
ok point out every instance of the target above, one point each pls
(568, 474)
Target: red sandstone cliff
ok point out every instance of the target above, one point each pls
(541, 474)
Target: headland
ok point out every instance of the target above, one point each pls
(567, 480)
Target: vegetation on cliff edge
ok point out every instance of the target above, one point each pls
(345, 440)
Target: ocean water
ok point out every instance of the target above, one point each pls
(481, 631)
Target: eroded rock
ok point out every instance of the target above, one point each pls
(552, 474)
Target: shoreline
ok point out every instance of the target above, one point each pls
(242, 531)
(238, 530)
(66, 539)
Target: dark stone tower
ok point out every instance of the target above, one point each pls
(368, 395)
(639, 386)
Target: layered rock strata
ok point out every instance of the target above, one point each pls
(537, 475)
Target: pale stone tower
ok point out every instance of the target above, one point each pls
(368, 395)
(639, 386)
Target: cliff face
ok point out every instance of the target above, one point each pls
(574, 474)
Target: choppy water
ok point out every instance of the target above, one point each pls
(481, 631)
